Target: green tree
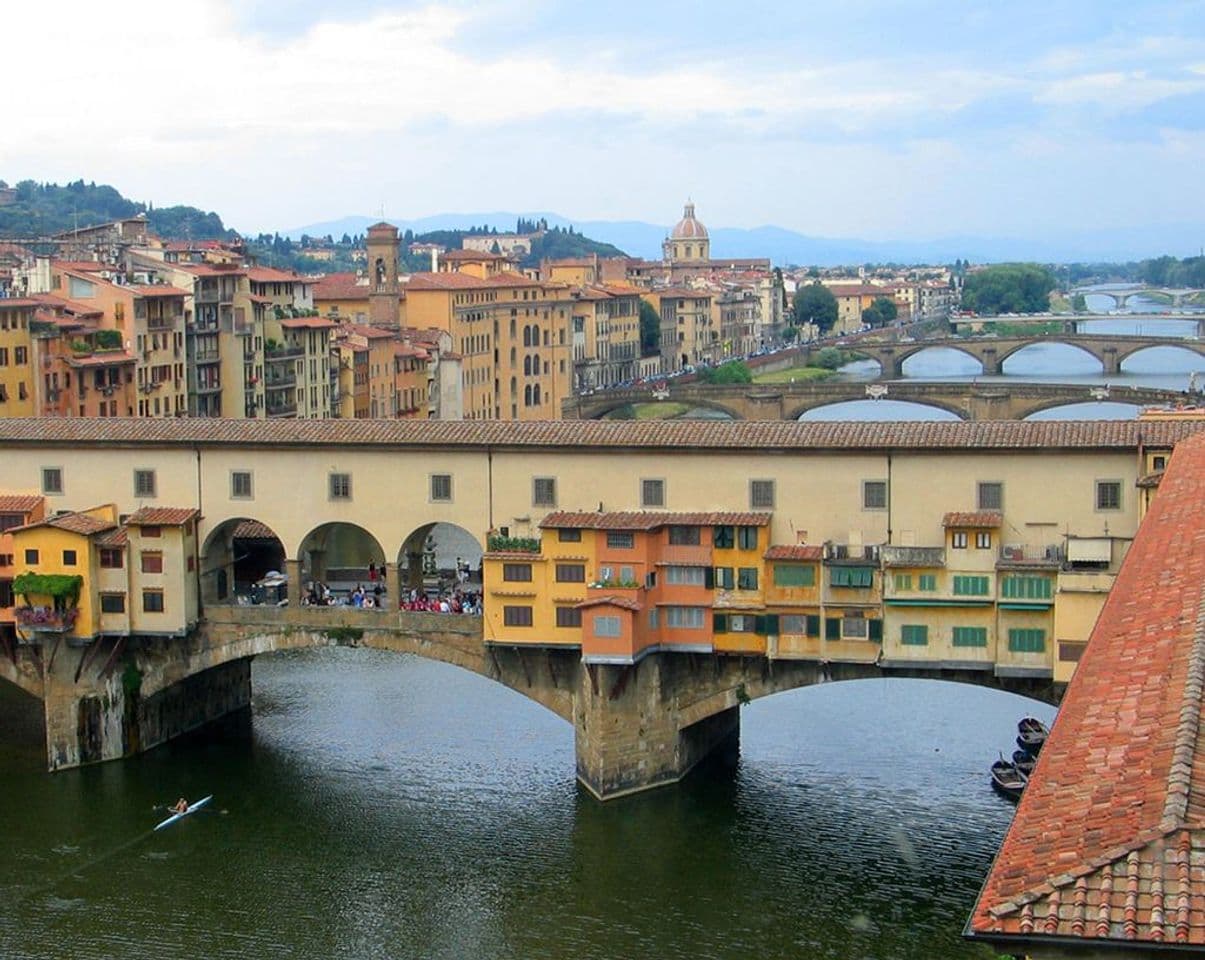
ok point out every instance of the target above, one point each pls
(815, 304)
(1008, 288)
(881, 312)
(736, 372)
(650, 330)
(830, 358)
(1079, 303)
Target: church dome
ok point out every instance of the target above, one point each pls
(688, 228)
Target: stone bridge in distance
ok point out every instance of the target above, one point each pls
(789, 401)
(636, 726)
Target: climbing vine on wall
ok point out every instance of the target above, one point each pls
(63, 588)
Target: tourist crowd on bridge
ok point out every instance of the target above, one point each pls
(457, 600)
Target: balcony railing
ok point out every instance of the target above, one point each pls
(282, 410)
(45, 620)
(851, 553)
(1030, 554)
(894, 556)
(280, 383)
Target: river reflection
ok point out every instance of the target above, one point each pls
(375, 805)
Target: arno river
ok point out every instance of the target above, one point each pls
(378, 806)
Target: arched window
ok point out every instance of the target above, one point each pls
(527, 366)
(535, 395)
(527, 396)
(526, 335)
(514, 389)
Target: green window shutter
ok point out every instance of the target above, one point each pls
(759, 625)
(838, 577)
(970, 636)
(719, 623)
(913, 634)
(813, 625)
(832, 628)
(876, 630)
(771, 624)
(928, 581)
(709, 578)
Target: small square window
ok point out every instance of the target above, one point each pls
(958, 539)
(620, 539)
(69, 558)
(761, 494)
(1108, 494)
(152, 561)
(569, 536)
(31, 556)
(111, 558)
(240, 484)
(340, 486)
(568, 617)
(516, 572)
(516, 616)
(874, 494)
(52, 480)
(747, 538)
(441, 487)
(983, 540)
(746, 578)
(152, 601)
(543, 492)
(112, 603)
(652, 493)
(144, 483)
(152, 533)
(991, 496)
(722, 538)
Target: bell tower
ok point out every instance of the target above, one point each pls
(382, 243)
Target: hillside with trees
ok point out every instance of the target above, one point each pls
(43, 209)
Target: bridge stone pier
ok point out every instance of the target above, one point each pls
(636, 726)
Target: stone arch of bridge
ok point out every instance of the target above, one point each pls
(1196, 350)
(238, 552)
(1037, 408)
(547, 677)
(905, 355)
(694, 398)
(339, 551)
(426, 554)
(949, 406)
(742, 680)
(1051, 338)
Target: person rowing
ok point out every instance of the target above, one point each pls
(180, 806)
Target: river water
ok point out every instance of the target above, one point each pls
(380, 806)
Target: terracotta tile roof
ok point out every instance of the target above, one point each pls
(623, 602)
(367, 332)
(1109, 837)
(271, 275)
(341, 286)
(973, 518)
(117, 537)
(737, 437)
(160, 517)
(19, 502)
(81, 523)
(649, 520)
(306, 323)
(103, 358)
(471, 255)
(1150, 480)
(796, 551)
(210, 269)
(253, 530)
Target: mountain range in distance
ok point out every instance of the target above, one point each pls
(789, 247)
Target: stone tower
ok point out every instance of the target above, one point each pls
(382, 246)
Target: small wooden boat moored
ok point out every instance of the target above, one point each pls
(1024, 761)
(1007, 780)
(1031, 734)
(180, 815)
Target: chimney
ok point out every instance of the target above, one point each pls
(434, 259)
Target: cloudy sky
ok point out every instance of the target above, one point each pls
(865, 118)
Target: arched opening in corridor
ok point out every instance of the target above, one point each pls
(238, 557)
(439, 558)
(340, 556)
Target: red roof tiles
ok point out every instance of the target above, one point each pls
(976, 518)
(19, 502)
(649, 520)
(160, 517)
(734, 436)
(1109, 837)
(795, 551)
(253, 530)
(81, 523)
